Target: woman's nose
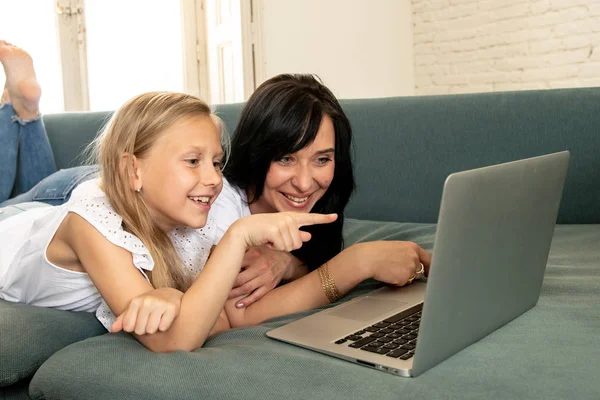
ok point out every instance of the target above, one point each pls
(303, 179)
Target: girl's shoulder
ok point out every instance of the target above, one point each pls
(90, 202)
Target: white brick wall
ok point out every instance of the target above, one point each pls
(463, 46)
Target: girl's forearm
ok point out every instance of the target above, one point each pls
(305, 293)
(202, 303)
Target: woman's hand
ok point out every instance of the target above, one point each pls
(262, 270)
(150, 312)
(391, 261)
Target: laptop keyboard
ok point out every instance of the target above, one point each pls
(395, 336)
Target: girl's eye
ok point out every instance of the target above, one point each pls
(192, 161)
(323, 160)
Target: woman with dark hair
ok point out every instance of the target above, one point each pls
(263, 137)
(291, 151)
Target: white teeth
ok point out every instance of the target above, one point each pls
(296, 199)
(202, 199)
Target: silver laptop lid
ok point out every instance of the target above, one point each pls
(484, 213)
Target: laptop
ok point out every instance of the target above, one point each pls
(492, 241)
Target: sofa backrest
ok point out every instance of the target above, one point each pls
(405, 147)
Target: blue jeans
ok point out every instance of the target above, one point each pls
(56, 189)
(25, 153)
(27, 169)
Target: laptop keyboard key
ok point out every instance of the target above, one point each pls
(381, 324)
(378, 350)
(353, 337)
(377, 334)
(384, 340)
(406, 356)
(340, 341)
(394, 318)
(397, 353)
(360, 343)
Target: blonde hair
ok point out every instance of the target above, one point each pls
(134, 129)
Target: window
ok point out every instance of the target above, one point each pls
(37, 16)
(96, 54)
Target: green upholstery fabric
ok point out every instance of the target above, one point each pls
(70, 133)
(550, 352)
(19, 391)
(29, 335)
(405, 147)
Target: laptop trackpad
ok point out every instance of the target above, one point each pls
(368, 308)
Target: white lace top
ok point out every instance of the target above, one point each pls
(26, 275)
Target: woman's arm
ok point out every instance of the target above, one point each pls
(392, 262)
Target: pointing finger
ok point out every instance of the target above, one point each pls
(303, 219)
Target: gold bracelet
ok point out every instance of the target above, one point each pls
(328, 284)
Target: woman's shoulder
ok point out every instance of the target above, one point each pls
(230, 205)
(231, 201)
(232, 192)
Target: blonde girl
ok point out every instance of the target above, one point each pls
(142, 225)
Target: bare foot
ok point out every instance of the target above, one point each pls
(22, 86)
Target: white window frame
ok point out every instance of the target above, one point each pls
(70, 18)
(252, 45)
(70, 23)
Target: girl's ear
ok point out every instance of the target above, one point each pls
(130, 165)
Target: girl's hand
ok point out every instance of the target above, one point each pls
(279, 231)
(150, 312)
(262, 270)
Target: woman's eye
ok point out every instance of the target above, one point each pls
(219, 165)
(285, 159)
(323, 160)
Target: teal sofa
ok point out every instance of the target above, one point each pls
(404, 149)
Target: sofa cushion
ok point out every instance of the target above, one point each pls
(527, 358)
(29, 335)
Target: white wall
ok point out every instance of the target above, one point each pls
(359, 48)
(494, 45)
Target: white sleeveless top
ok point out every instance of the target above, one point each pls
(26, 275)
